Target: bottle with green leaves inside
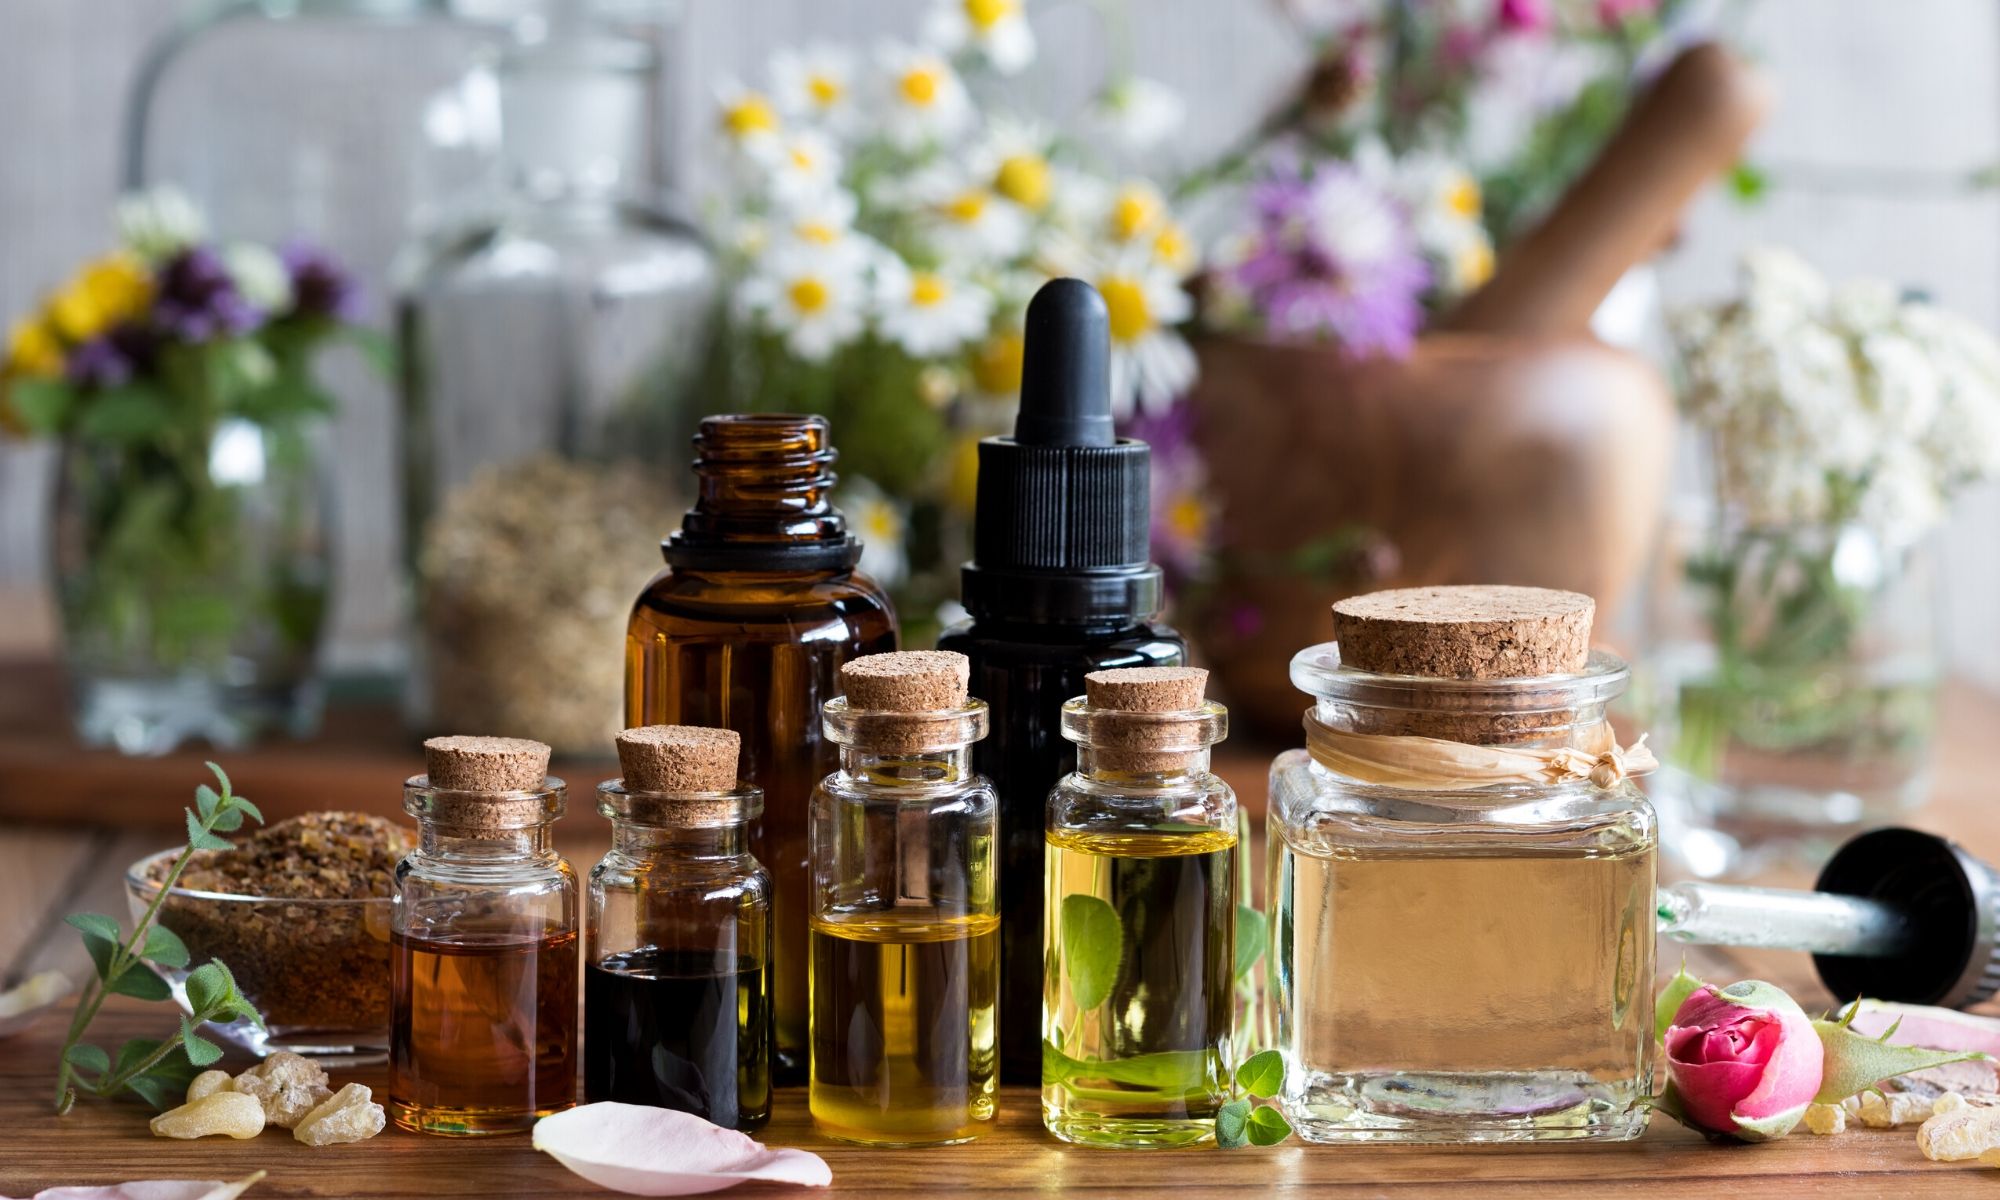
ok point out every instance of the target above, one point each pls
(1138, 1003)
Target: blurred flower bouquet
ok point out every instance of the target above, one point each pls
(191, 553)
(887, 221)
(1842, 422)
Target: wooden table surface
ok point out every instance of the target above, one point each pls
(49, 868)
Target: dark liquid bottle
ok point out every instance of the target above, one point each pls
(669, 1029)
(746, 629)
(1060, 585)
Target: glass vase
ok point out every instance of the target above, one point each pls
(1796, 689)
(192, 584)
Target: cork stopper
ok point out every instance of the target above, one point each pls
(679, 758)
(1146, 746)
(1478, 632)
(907, 681)
(485, 785)
(486, 764)
(907, 702)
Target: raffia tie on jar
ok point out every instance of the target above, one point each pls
(1426, 635)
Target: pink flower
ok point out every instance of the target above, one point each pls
(1525, 16)
(1743, 1060)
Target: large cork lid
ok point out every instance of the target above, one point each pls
(679, 758)
(1149, 745)
(1474, 632)
(907, 681)
(486, 764)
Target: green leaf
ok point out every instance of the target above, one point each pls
(1232, 1122)
(101, 952)
(41, 404)
(1767, 1129)
(127, 414)
(205, 801)
(221, 776)
(1093, 946)
(199, 1050)
(256, 814)
(160, 1091)
(228, 820)
(202, 839)
(1855, 1061)
(140, 983)
(1262, 1074)
(89, 1057)
(1672, 996)
(164, 947)
(94, 923)
(209, 987)
(1748, 183)
(1268, 1127)
(1253, 937)
(133, 1051)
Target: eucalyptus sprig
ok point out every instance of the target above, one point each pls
(156, 1070)
(1246, 1122)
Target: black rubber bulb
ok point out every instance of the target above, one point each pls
(1066, 369)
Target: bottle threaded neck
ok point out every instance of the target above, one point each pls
(764, 498)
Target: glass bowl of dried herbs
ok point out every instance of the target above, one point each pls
(300, 911)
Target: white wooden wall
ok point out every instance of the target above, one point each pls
(1884, 108)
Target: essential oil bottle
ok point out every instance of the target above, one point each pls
(483, 954)
(1139, 1007)
(905, 928)
(1462, 878)
(759, 606)
(1059, 586)
(677, 993)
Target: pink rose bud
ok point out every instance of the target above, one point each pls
(1743, 1060)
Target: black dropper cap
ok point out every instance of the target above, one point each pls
(1061, 531)
(1951, 902)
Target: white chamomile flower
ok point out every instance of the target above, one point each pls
(923, 98)
(159, 222)
(880, 524)
(815, 84)
(1134, 115)
(1014, 161)
(802, 163)
(965, 219)
(1151, 365)
(822, 226)
(1173, 250)
(259, 274)
(997, 30)
(929, 313)
(1134, 211)
(747, 118)
(817, 303)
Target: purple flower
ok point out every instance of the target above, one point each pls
(198, 300)
(1330, 256)
(321, 287)
(1183, 514)
(113, 358)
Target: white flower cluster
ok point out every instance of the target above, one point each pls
(1445, 205)
(873, 198)
(1847, 403)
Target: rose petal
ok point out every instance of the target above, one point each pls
(153, 1189)
(1792, 1066)
(1710, 1092)
(647, 1151)
(1923, 1025)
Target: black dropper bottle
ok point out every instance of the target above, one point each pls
(1060, 585)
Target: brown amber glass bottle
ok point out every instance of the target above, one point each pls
(746, 629)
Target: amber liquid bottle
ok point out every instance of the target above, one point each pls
(746, 629)
(1059, 586)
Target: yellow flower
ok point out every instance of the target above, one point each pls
(985, 14)
(920, 84)
(1173, 249)
(825, 90)
(748, 116)
(1024, 179)
(1473, 265)
(102, 294)
(1135, 210)
(1187, 518)
(1462, 199)
(33, 349)
(809, 294)
(1125, 301)
(996, 365)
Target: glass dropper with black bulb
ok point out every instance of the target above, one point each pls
(1897, 914)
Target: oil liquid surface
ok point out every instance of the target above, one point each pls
(666, 1028)
(1465, 996)
(484, 1032)
(1138, 1010)
(903, 1029)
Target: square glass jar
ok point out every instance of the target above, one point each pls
(1461, 965)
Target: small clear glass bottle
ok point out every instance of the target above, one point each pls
(483, 932)
(677, 990)
(904, 914)
(1138, 1008)
(1457, 961)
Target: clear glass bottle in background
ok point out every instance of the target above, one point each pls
(677, 984)
(1456, 961)
(550, 346)
(1139, 1001)
(905, 917)
(747, 629)
(483, 932)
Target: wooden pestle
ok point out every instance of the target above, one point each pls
(1690, 125)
